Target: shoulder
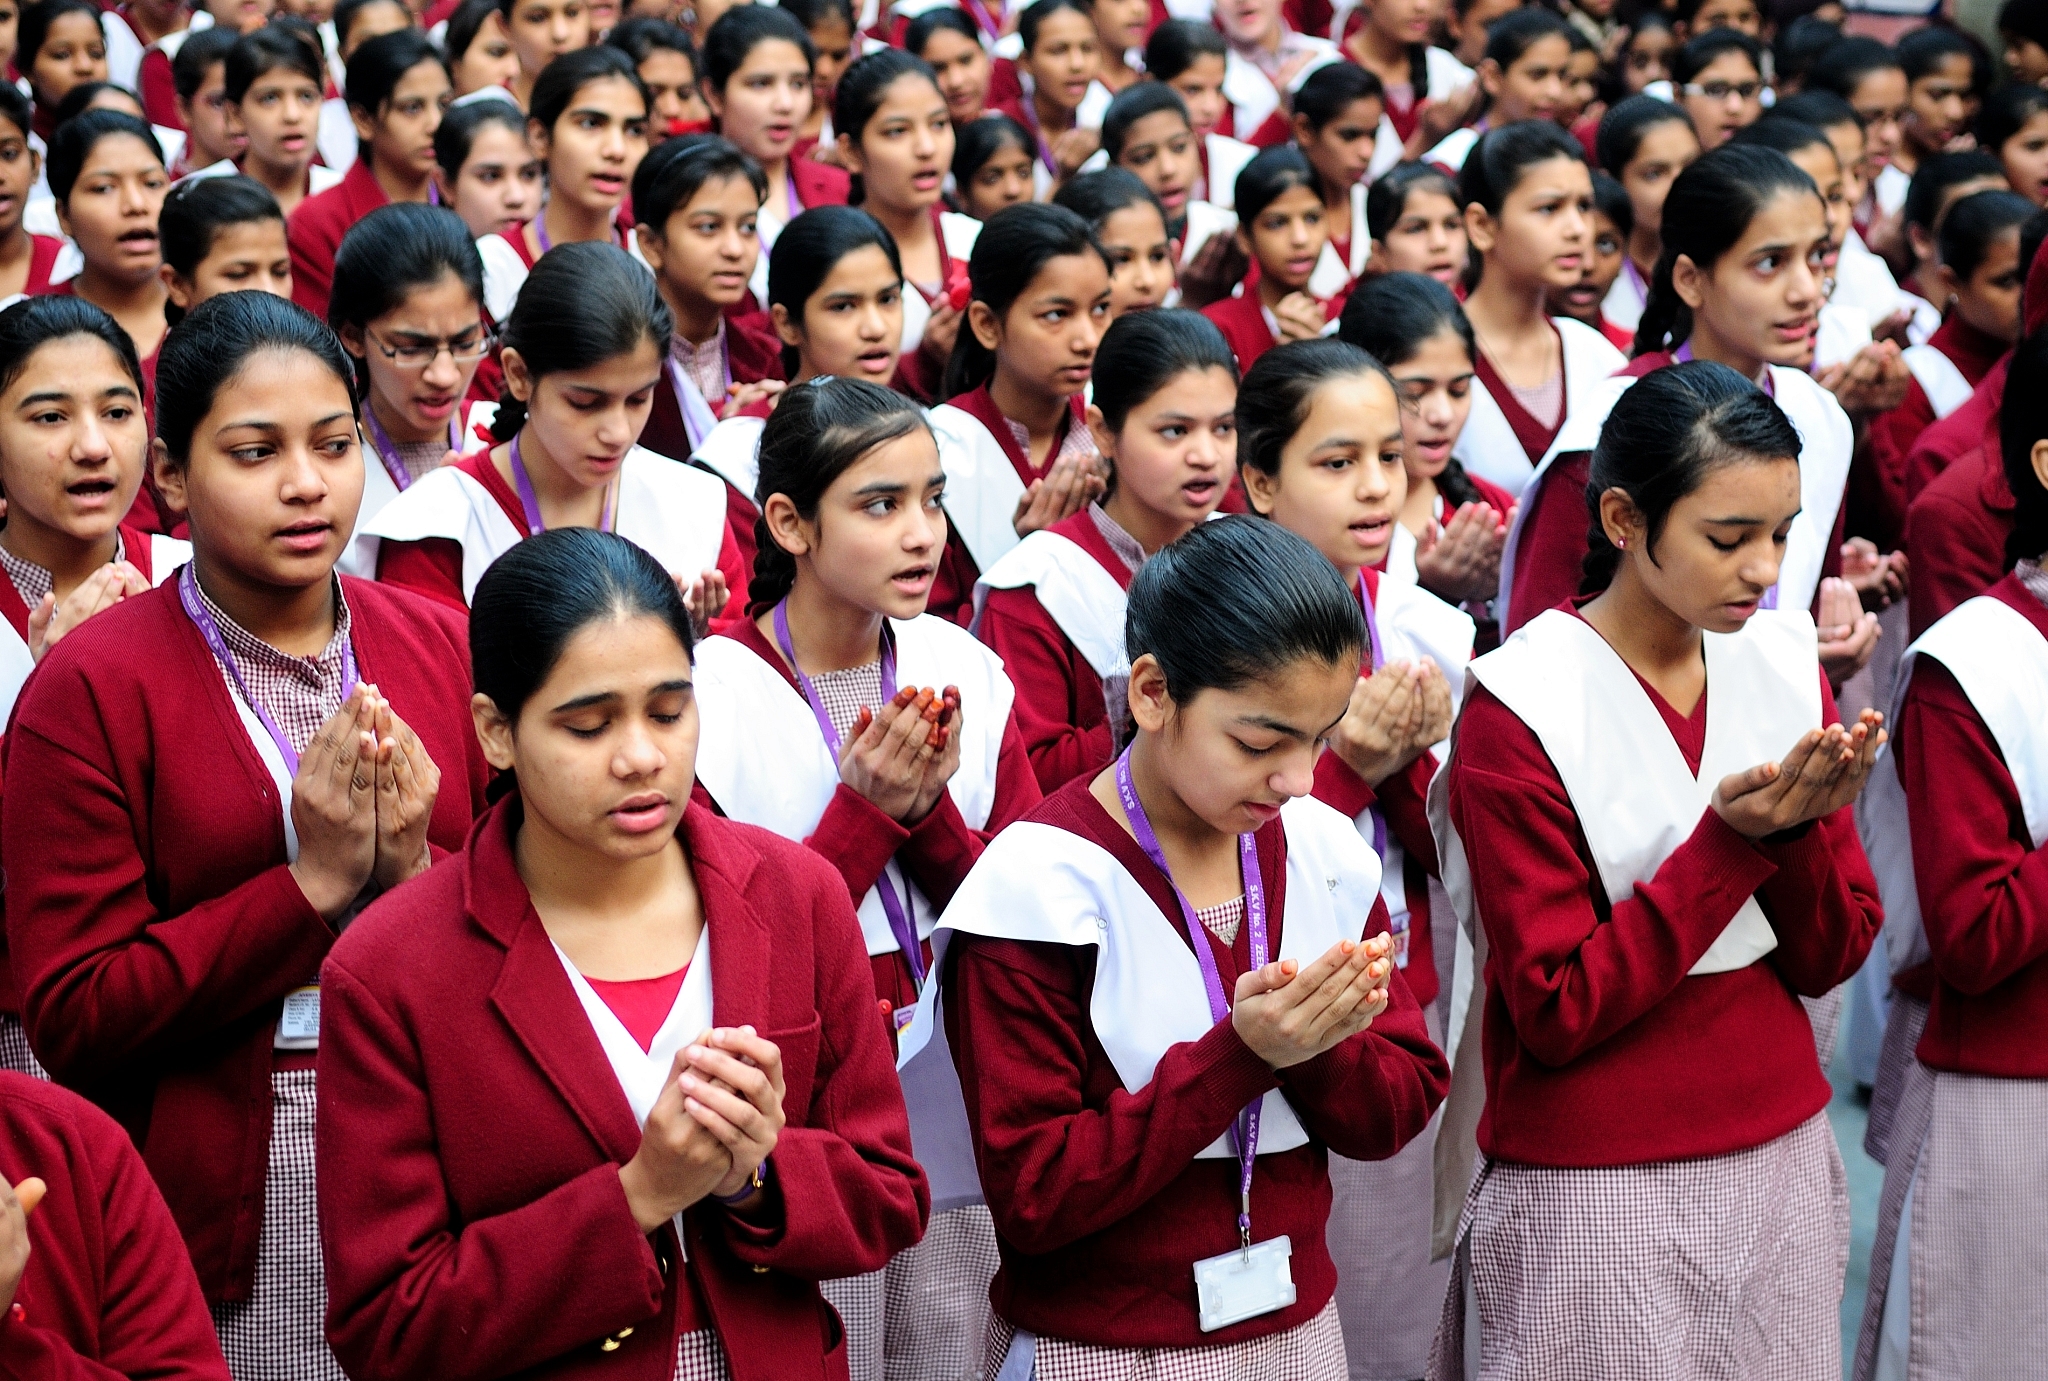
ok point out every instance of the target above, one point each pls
(52, 1132)
(959, 232)
(322, 211)
(114, 651)
(1803, 398)
(952, 643)
(1587, 346)
(382, 948)
(778, 873)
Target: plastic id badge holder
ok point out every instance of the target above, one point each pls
(1245, 1283)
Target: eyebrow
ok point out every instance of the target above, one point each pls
(585, 702)
(1259, 721)
(1750, 522)
(59, 396)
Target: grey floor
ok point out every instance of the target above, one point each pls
(1866, 1180)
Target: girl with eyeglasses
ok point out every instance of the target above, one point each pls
(1718, 80)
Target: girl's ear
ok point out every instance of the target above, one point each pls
(1261, 490)
(1951, 286)
(1688, 282)
(180, 292)
(518, 382)
(1622, 521)
(981, 319)
(1480, 230)
(366, 125)
(537, 138)
(1105, 439)
(1490, 77)
(1303, 135)
(653, 246)
(785, 525)
(170, 480)
(850, 156)
(1150, 705)
(713, 99)
(493, 732)
(784, 327)
(2039, 457)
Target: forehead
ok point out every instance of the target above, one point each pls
(1070, 275)
(1788, 217)
(1160, 124)
(1731, 65)
(1354, 407)
(1138, 223)
(863, 270)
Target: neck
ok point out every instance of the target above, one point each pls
(1709, 344)
(1271, 290)
(778, 185)
(910, 226)
(569, 222)
(563, 502)
(1038, 413)
(1644, 249)
(1378, 50)
(1150, 528)
(1053, 118)
(398, 428)
(118, 295)
(1419, 508)
(295, 620)
(285, 181)
(1179, 829)
(1641, 628)
(146, 27)
(562, 876)
(696, 318)
(1504, 309)
(522, 88)
(68, 559)
(828, 633)
(400, 184)
(16, 245)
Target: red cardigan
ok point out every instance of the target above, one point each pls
(155, 924)
(108, 1292)
(1877, 487)
(1943, 442)
(42, 257)
(1100, 1204)
(1242, 320)
(1956, 531)
(1983, 885)
(1599, 1048)
(1059, 697)
(453, 1252)
(316, 227)
(856, 838)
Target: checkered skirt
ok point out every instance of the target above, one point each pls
(925, 1315)
(1897, 1071)
(14, 1052)
(1309, 1351)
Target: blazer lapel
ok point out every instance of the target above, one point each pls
(740, 941)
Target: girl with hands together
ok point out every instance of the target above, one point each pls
(1282, 228)
(711, 1130)
(1824, 772)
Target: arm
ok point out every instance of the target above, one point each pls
(734, 569)
(159, 92)
(312, 247)
(432, 567)
(1402, 799)
(1948, 565)
(1570, 977)
(1065, 735)
(1053, 1168)
(412, 1293)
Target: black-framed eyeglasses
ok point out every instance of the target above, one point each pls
(463, 349)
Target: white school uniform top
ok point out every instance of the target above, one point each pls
(1888, 189)
(1939, 379)
(1864, 282)
(1446, 77)
(2000, 660)
(1042, 884)
(1332, 273)
(959, 234)
(1226, 159)
(318, 179)
(1205, 221)
(1625, 301)
(379, 489)
(1453, 149)
(675, 513)
(765, 763)
(166, 554)
(732, 451)
(335, 136)
(982, 486)
(1827, 439)
(1488, 448)
(1084, 599)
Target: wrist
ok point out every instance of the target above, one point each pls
(647, 1214)
(742, 1191)
(326, 894)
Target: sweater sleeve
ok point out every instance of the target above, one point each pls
(1552, 548)
(1066, 732)
(432, 567)
(1572, 969)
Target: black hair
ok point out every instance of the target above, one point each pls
(2022, 422)
(1143, 352)
(1511, 36)
(1936, 175)
(1238, 601)
(556, 86)
(214, 342)
(33, 322)
(816, 241)
(1272, 171)
(1707, 211)
(464, 25)
(2032, 236)
(1824, 110)
(79, 97)
(376, 68)
(1701, 50)
(263, 51)
(738, 31)
(1386, 200)
(920, 30)
(1179, 44)
(459, 126)
(75, 140)
(303, 29)
(1662, 439)
(2006, 112)
(981, 139)
(1923, 51)
(1497, 163)
(1038, 11)
(535, 599)
(1132, 104)
(2027, 19)
(1393, 316)
(583, 304)
(197, 53)
(198, 209)
(1786, 135)
(16, 108)
(1014, 246)
(816, 433)
(1842, 66)
(676, 170)
(862, 87)
(643, 36)
(812, 13)
(1332, 89)
(1280, 387)
(1097, 196)
(32, 29)
(1622, 129)
(346, 11)
(1800, 44)
(1975, 223)
(391, 252)
(1610, 199)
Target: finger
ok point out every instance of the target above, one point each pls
(30, 1192)
(719, 1126)
(745, 1042)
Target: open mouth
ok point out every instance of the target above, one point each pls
(876, 362)
(91, 493)
(307, 536)
(435, 408)
(138, 242)
(927, 181)
(641, 814)
(1373, 532)
(607, 184)
(913, 580)
(1201, 491)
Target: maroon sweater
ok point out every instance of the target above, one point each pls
(1100, 1204)
(1983, 885)
(1956, 530)
(1599, 1048)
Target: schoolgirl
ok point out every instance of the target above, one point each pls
(1646, 55)
(26, 259)
(59, 45)
(407, 305)
(582, 353)
(669, 1007)
(1609, 232)
(1130, 225)
(1717, 79)
(1013, 436)
(587, 123)
(805, 732)
(1795, 47)
(1266, 53)
(1521, 78)
(1944, 89)
(229, 765)
(1163, 417)
(1643, 144)
(1650, 1075)
(830, 25)
(272, 88)
(131, 26)
(667, 63)
(759, 67)
(1582, 106)
(353, 23)
(198, 101)
(1322, 456)
(71, 467)
(397, 85)
(1147, 132)
(1121, 28)
(1528, 213)
(107, 96)
(2014, 125)
(1193, 59)
(1057, 66)
(1281, 229)
(897, 139)
(1417, 224)
(484, 170)
(992, 165)
(221, 234)
(479, 51)
(108, 177)
(696, 202)
(541, 31)
(1452, 525)
(1867, 74)
(1397, 43)
(1338, 124)
(949, 41)
(1863, 281)
(1119, 1120)
(1956, 827)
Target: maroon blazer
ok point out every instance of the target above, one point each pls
(472, 1130)
(819, 184)
(1242, 320)
(316, 227)
(154, 921)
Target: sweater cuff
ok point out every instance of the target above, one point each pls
(1229, 1071)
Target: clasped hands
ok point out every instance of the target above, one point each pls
(361, 802)
(1394, 716)
(902, 757)
(717, 1119)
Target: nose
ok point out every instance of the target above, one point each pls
(1762, 569)
(91, 446)
(1296, 776)
(922, 533)
(304, 481)
(874, 324)
(1434, 408)
(638, 754)
(441, 371)
(615, 430)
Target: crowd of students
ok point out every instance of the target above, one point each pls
(934, 691)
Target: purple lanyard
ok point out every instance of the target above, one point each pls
(1045, 153)
(894, 906)
(531, 501)
(387, 450)
(202, 618)
(1683, 355)
(990, 25)
(1635, 277)
(1247, 1126)
(1379, 658)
